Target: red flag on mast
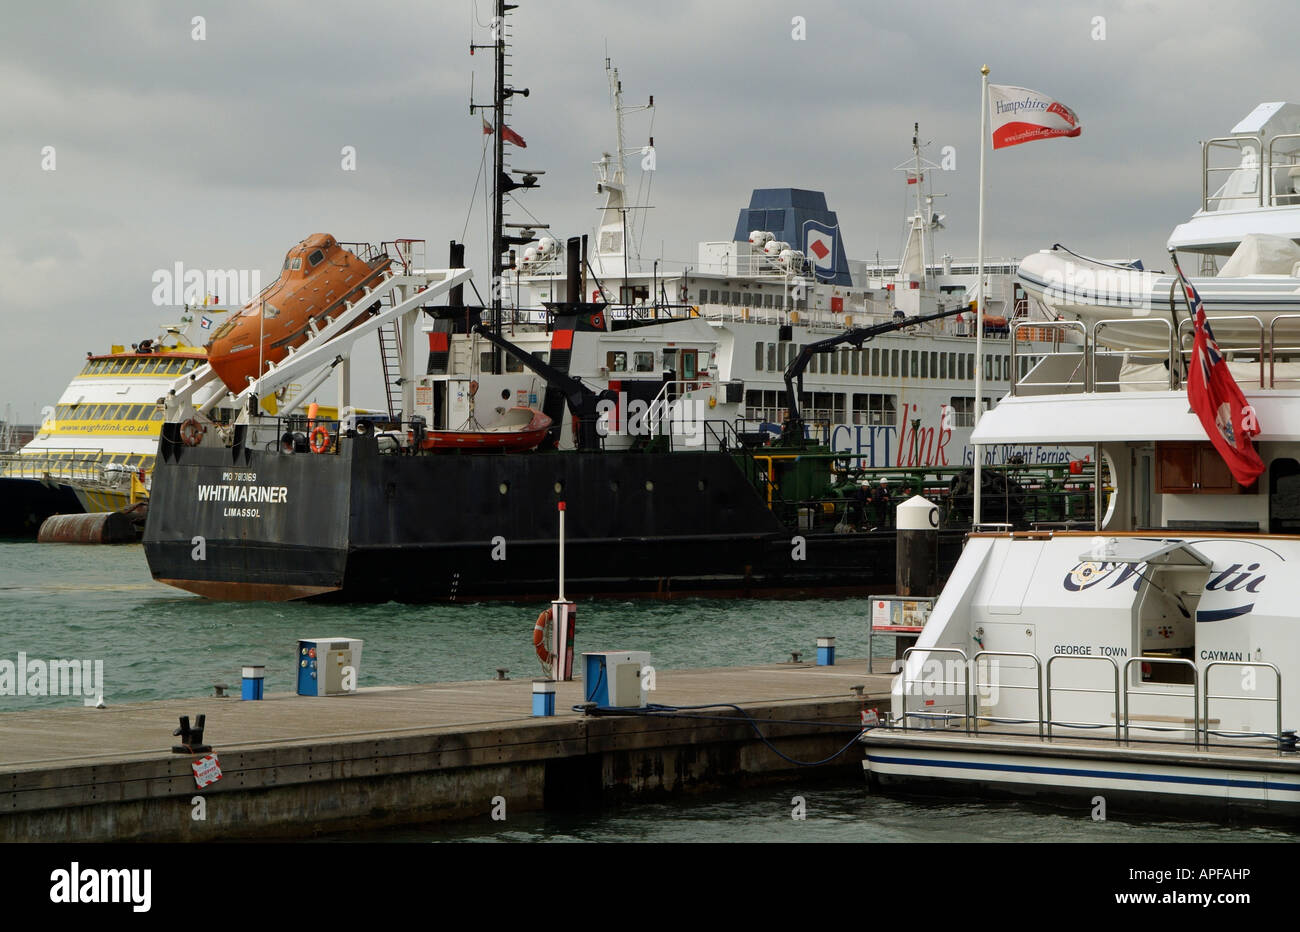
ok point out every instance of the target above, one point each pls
(1217, 399)
(510, 135)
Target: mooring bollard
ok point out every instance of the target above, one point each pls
(251, 687)
(826, 652)
(543, 698)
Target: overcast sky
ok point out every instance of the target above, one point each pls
(223, 153)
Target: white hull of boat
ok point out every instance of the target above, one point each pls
(1178, 777)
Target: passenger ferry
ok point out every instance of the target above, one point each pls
(94, 450)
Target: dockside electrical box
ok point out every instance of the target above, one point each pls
(328, 666)
(613, 678)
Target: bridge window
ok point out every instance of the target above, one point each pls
(315, 258)
(643, 362)
(616, 361)
(758, 356)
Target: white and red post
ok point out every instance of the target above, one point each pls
(564, 616)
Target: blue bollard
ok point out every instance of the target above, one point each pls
(826, 652)
(543, 698)
(251, 687)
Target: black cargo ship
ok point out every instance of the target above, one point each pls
(364, 525)
(366, 511)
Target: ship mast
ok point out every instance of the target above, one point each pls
(502, 183)
(498, 168)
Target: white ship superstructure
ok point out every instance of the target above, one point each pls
(783, 281)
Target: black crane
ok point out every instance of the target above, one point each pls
(794, 426)
(581, 400)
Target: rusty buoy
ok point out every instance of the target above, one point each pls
(105, 527)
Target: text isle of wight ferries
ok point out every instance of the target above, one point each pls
(241, 487)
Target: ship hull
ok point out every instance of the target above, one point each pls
(360, 526)
(26, 503)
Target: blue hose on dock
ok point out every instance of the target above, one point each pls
(668, 711)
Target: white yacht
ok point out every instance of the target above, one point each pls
(1154, 660)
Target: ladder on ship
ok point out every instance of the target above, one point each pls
(390, 355)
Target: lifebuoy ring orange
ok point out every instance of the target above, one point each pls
(192, 432)
(320, 439)
(539, 637)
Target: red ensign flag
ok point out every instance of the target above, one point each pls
(1217, 399)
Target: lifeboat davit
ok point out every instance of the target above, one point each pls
(318, 278)
(520, 430)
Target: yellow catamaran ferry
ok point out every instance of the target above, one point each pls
(94, 450)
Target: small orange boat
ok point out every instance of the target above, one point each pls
(319, 276)
(520, 430)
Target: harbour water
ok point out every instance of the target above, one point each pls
(99, 603)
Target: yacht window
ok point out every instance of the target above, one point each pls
(644, 362)
(157, 414)
(134, 413)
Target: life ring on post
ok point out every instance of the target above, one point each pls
(192, 432)
(320, 439)
(539, 637)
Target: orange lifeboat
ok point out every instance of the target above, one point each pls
(319, 276)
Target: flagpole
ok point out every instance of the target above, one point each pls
(979, 295)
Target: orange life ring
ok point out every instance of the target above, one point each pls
(192, 432)
(539, 637)
(323, 443)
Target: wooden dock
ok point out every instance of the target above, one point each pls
(297, 766)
